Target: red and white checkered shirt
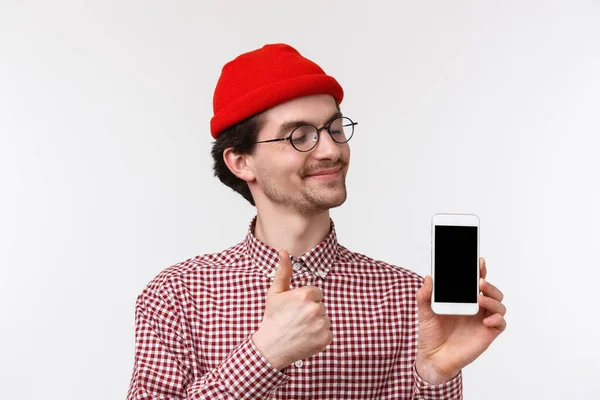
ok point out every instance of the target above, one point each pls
(194, 323)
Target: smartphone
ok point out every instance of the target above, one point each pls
(455, 263)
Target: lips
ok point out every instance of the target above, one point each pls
(325, 171)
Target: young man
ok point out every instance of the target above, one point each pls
(290, 313)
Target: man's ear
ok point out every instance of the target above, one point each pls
(238, 164)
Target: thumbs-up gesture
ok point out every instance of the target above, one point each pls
(295, 325)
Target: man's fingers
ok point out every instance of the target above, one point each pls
(283, 275)
(495, 321)
(490, 290)
(482, 268)
(323, 310)
(310, 293)
(492, 305)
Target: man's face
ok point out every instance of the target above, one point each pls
(287, 178)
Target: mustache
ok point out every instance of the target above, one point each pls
(324, 165)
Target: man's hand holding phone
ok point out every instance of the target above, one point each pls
(448, 343)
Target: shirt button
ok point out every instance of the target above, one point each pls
(299, 363)
(296, 266)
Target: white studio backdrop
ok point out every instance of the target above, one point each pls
(485, 107)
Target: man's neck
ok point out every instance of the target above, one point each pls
(292, 232)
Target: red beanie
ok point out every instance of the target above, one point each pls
(263, 78)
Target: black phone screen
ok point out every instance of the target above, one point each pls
(455, 264)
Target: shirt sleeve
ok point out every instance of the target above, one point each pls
(451, 390)
(165, 363)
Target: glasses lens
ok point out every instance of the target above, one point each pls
(304, 137)
(341, 129)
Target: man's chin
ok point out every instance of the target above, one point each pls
(334, 201)
(338, 204)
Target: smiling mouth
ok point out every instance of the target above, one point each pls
(327, 172)
(326, 175)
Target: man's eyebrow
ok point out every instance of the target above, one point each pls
(287, 127)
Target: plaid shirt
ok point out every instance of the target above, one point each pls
(194, 323)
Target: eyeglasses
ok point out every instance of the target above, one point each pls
(305, 137)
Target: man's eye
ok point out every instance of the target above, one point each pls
(299, 138)
(302, 134)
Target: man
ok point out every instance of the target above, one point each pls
(290, 313)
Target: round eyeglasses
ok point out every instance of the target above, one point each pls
(305, 137)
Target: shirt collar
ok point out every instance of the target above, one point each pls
(317, 261)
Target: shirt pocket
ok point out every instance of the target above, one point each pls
(364, 374)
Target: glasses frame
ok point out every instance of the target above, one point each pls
(326, 127)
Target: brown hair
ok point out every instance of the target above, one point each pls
(240, 137)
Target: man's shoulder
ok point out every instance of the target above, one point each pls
(368, 265)
(194, 269)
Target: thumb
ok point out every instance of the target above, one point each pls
(283, 275)
(424, 295)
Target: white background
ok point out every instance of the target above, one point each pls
(480, 107)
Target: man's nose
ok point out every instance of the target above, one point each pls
(327, 148)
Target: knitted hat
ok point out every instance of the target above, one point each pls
(263, 78)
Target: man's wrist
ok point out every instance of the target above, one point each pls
(273, 357)
(427, 372)
(246, 361)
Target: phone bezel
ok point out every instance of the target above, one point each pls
(453, 220)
